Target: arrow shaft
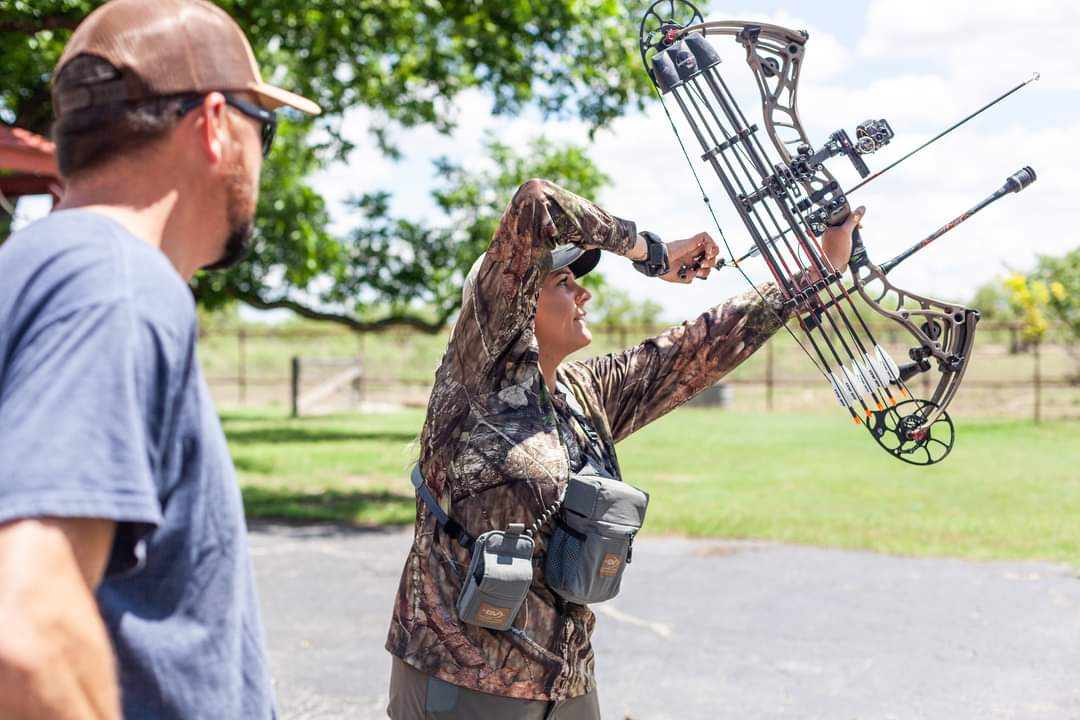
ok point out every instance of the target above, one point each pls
(945, 132)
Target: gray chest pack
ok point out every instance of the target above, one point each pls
(596, 520)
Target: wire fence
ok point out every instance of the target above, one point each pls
(330, 369)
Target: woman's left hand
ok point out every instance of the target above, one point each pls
(691, 258)
(836, 241)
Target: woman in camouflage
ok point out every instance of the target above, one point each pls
(500, 441)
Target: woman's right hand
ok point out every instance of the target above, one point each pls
(691, 259)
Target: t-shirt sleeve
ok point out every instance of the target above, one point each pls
(80, 404)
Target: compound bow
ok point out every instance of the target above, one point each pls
(787, 205)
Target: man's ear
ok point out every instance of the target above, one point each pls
(213, 126)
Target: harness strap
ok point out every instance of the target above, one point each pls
(596, 448)
(579, 413)
(447, 523)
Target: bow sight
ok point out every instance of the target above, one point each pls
(786, 200)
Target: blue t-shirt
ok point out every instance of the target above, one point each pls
(104, 413)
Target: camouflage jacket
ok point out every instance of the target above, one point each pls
(491, 452)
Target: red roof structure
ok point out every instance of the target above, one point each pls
(27, 164)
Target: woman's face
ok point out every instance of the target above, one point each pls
(560, 315)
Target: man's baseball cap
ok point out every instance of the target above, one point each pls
(161, 48)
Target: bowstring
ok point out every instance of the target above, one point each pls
(819, 254)
(881, 385)
(723, 238)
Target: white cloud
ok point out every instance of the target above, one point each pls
(977, 43)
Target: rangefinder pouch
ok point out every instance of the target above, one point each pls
(593, 539)
(500, 574)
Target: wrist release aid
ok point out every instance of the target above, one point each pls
(500, 573)
(593, 540)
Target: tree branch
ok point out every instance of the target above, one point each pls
(35, 113)
(53, 22)
(346, 320)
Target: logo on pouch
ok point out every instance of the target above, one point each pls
(491, 615)
(610, 565)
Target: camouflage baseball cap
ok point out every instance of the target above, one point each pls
(578, 259)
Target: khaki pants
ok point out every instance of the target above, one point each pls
(415, 696)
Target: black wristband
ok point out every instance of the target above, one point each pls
(656, 256)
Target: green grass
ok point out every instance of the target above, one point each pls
(1009, 489)
(344, 468)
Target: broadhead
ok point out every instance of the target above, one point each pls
(686, 65)
(663, 67)
(703, 51)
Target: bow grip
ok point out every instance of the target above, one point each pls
(858, 252)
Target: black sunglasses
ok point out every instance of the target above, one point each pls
(268, 118)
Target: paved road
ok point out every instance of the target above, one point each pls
(714, 629)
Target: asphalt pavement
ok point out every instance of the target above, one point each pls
(716, 629)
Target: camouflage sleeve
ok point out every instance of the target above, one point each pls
(503, 303)
(643, 383)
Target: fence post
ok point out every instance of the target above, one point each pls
(362, 387)
(241, 377)
(769, 376)
(1037, 379)
(294, 385)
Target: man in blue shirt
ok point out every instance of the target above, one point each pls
(125, 580)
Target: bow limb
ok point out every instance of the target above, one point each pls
(943, 331)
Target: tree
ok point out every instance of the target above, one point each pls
(408, 60)
(1030, 298)
(1061, 275)
(992, 300)
(412, 272)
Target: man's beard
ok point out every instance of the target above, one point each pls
(237, 247)
(240, 217)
